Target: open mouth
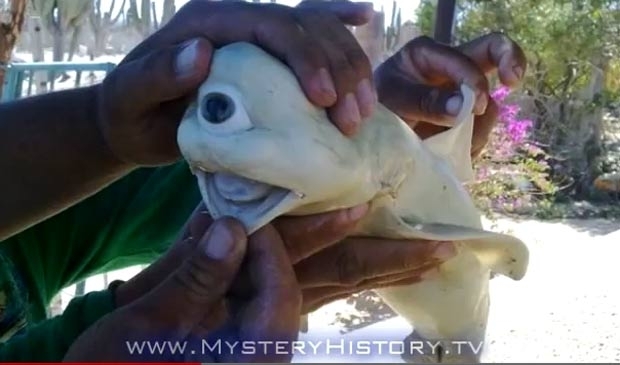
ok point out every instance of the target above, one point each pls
(253, 203)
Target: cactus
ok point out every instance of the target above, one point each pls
(392, 35)
(141, 20)
(380, 42)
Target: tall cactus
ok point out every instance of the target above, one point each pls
(59, 17)
(379, 41)
(168, 11)
(101, 21)
(392, 35)
(371, 38)
(141, 20)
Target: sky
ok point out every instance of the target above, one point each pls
(407, 7)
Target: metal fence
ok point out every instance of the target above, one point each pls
(21, 78)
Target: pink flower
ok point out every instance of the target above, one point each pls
(500, 94)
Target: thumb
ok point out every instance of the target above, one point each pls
(154, 274)
(162, 75)
(414, 101)
(200, 283)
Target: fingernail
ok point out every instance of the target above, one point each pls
(518, 71)
(454, 105)
(186, 59)
(444, 250)
(366, 97)
(220, 242)
(358, 212)
(326, 83)
(351, 110)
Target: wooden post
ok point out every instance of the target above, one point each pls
(11, 23)
(444, 20)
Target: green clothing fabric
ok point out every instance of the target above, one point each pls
(49, 340)
(131, 222)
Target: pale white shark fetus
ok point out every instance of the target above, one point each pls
(260, 150)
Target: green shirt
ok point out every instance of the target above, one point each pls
(131, 222)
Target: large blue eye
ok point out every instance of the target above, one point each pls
(217, 108)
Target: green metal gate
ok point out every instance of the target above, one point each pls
(19, 77)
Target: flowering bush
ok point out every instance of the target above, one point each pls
(512, 175)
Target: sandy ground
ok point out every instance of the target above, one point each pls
(566, 309)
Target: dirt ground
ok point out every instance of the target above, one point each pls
(566, 309)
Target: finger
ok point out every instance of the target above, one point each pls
(201, 281)
(418, 274)
(497, 51)
(356, 260)
(215, 319)
(270, 26)
(311, 296)
(304, 236)
(348, 63)
(160, 76)
(414, 102)
(273, 313)
(318, 299)
(194, 229)
(163, 79)
(426, 130)
(199, 222)
(358, 13)
(432, 63)
(157, 272)
(483, 127)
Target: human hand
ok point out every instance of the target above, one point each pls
(330, 264)
(141, 102)
(187, 302)
(420, 82)
(327, 264)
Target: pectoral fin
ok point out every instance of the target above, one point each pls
(501, 253)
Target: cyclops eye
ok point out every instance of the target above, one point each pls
(221, 110)
(217, 108)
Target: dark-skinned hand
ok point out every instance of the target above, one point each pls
(328, 264)
(293, 266)
(142, 100)
(189, 300)
(421, 82)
